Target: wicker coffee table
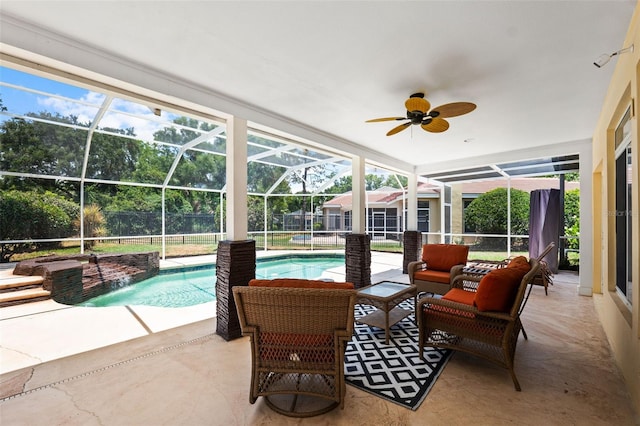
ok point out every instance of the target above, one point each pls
(385, 296)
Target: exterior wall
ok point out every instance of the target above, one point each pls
(456, 209)
(621, 325)
(435, 224)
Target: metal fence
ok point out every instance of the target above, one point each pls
(150, 223)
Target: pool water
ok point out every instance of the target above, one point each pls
(192, 287)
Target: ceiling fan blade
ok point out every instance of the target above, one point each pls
(436, 125)
(417, 104)
(398, 128)
(385, 119)
(454, 109)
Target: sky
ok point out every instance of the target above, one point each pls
(64, 99)
(46, 95)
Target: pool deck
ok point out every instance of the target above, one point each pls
(142, 366)
(38, 332)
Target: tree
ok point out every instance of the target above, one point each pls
(340, 186)
(372, 182)
(393, 182)
(487, 214)
(32, 146)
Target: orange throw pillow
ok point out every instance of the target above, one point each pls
(299, 283)
(520, 262)
(443, 257)
(497, 290)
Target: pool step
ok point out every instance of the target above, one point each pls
(18, 289)
(15, 281)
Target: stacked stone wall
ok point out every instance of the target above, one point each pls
(235, 266)
(75, 278)
(358, 259)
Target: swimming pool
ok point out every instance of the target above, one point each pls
(193, 286)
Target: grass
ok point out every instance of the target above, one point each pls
(278, 242)
(182, 250)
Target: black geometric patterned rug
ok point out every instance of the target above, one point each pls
(394, 372)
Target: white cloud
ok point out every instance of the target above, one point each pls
(144, 123)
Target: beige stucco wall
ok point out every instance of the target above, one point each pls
(456, 208)
(621, 325)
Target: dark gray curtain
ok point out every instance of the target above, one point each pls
(545, 220)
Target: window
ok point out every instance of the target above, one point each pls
(423, 216)
(623, 213)
(447, 214)
(347, 220)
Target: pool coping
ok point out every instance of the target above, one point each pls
(39, 332)
(171, 268)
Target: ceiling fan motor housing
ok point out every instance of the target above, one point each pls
(415, 116)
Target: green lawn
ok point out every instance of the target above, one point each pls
(276, 242)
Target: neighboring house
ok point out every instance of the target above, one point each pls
(292, 221)
(384, 212)
(385, 205)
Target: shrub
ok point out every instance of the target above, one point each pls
(487, 214)
(33, 215)
(572, 218)
(94, 224)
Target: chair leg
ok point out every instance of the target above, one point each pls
(516, 384)
(524, 334)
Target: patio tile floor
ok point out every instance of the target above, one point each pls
(139, 366)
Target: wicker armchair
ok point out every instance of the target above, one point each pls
(492, 335)
(437, 268)
(298, 339)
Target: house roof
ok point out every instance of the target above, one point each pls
(390, 195)
(523, 184)
(378, 197)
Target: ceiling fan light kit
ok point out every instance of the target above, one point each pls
(431, 121)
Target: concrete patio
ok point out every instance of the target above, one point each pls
(158, 366)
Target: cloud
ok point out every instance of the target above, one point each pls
(122, 114)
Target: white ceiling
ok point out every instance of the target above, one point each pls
(327, 66)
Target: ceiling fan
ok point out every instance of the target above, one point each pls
(431, 121)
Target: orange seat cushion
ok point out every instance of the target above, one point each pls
(461, 296)
(299, 283)
(434, 276)
(443, 257)
(497, 290)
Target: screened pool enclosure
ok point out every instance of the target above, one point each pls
(88, 167)
(124, 170)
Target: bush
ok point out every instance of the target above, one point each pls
(34, 215)
(572, 218)
(487, 214)
(94, 222)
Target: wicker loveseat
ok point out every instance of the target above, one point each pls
(299, 330)
(439, 265)
(479, 315)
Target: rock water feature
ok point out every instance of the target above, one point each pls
(76, 278)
